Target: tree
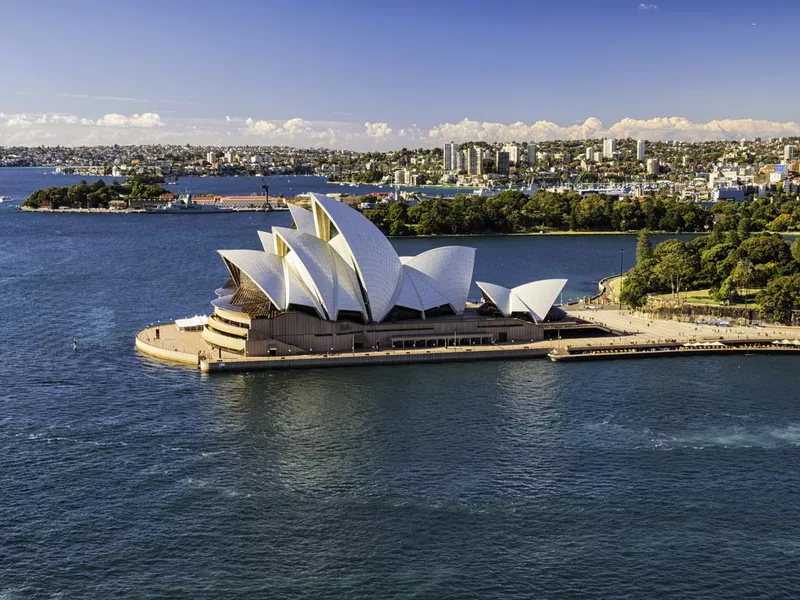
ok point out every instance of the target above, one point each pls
(727, 293)
(796, 250)
(743, 275)
(765, 249)
(644, 247)
(781, 223)
(743, 228)
(780, 298)
(675, 265)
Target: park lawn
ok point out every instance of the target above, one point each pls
(704, 297)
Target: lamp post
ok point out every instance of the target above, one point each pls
(619, 288)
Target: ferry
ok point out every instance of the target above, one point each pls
(184, 205)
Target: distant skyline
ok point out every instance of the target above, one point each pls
(365, 76)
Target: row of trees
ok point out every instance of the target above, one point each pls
(730, 264)
(514, 212)
(97, 194)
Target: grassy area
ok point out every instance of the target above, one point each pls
(704, 297)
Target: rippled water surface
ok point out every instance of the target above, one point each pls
(125, 478)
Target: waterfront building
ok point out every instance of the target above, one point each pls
(230, 156)
(501, 162)
(641, 146)
(211, 157)
(609, 148)
(653, 166)
(513, 153)
(450, 157)
(336, 284)
(401, 177)
(532, 154)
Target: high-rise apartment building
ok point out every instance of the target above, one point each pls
(450, 157)
(532, 153)
(652, 166)
(473, 157)
(788, 153)
(513, 153)
(609, 148)
(589, 153)
(501, 162)
(641, 146)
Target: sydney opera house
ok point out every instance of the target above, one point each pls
(334, 283)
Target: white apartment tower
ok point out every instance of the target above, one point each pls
(641, 146)
(652, 166)
(211, 156)
(589, 153)
(450, 157)
(609, 148)
(513, 153)
(788, 153)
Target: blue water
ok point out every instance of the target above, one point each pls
(122, 477)
(20, 182)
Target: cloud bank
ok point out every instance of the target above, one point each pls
(151, 128)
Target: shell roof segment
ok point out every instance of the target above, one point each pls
(536, 298)
(450, 269)
(303, 219)
(370, 253)
(265, 270)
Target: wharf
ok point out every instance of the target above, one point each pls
(664, 349)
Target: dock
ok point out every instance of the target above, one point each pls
(672, 349)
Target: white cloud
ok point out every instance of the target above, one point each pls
(659, 128)
(142, 120)
(648, 6)
(379, 130)
(150, 128)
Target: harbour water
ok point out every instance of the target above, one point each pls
(19, 183)
(123, 477)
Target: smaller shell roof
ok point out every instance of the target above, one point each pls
(265, 270)
(536, 298)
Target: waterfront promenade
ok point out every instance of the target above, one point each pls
(189, 348)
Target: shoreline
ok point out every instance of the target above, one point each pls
(554, 233)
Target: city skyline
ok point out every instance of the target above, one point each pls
(365, 78)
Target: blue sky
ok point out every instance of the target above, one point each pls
(330, 68)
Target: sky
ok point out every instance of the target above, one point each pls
(378, 75)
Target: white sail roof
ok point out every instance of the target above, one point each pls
(535, 298)
(539, 296)
(370, 253)
(419, 291)
(323, 272)
(267, 242)
(296, 291)
(450, 269)
(265, 270)
(303, 219)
